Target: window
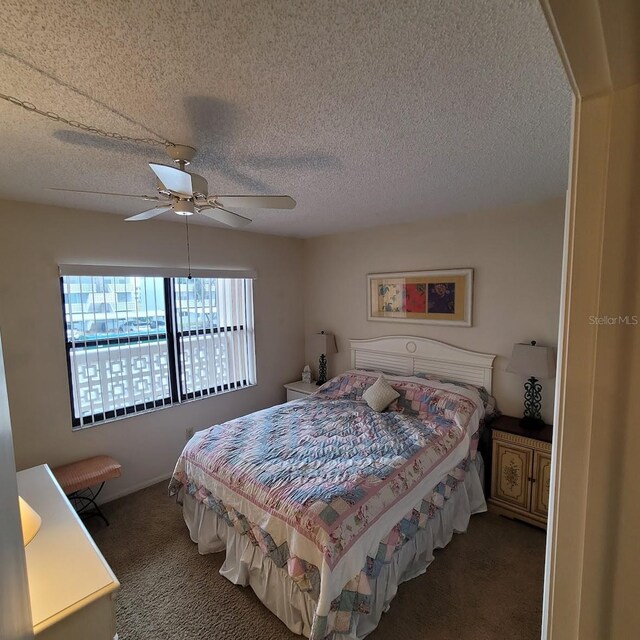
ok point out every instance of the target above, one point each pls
(75, 298)
(145, 342)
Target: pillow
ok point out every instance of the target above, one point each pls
(489, 402)
(380, 394)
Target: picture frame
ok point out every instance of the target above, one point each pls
(440, 297)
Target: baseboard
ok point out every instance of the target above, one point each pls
(134, 488)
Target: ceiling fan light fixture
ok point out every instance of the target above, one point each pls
(184, 208)
(187, 193)
(181, 153)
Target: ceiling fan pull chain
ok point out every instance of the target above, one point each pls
(51, 115)
(186, 221)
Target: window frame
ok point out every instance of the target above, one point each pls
(201, 393)
(172, 337)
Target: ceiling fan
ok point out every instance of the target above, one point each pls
(188, 193)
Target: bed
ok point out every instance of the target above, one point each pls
(323, 505)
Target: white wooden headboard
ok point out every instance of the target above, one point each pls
(408, 355)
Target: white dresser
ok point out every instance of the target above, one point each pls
(70, 583)
(299, 389)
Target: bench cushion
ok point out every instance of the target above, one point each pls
(87, 473)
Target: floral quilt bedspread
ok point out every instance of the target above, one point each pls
(355, 597)
(321, 474)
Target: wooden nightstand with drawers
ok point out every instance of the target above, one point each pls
(520, 470)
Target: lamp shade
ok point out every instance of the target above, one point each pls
(532, 361)
(323, 343)
(30, 521)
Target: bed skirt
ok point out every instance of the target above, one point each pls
(246, 564)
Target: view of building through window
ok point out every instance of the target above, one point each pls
(138, 343)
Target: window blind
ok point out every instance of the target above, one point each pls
(158, 272)
(215, 335)
(137, 343)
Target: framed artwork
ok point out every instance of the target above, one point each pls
(430, 297)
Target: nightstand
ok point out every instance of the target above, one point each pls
(520, 470)
(299, 389)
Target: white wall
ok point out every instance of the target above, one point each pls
(36, 238)
(516, 255)
(15, 609)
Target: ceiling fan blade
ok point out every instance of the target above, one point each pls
(105, 193)
(175, 180)
(256, 202)
(150, 213)
(226, 217)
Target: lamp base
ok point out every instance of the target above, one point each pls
(532, 405)
(322, 370)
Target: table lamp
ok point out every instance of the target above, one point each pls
(30, 521)
(323, 344)
(535, 362)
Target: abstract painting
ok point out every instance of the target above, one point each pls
(431, 297)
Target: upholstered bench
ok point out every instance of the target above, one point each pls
(78, 479)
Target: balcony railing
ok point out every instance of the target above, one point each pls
(110, 378)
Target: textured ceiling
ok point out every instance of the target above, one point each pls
(365, 111)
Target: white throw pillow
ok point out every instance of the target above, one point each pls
(380, 394)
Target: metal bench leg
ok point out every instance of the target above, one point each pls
(81, 502)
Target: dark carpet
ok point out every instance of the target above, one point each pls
(486, 584)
